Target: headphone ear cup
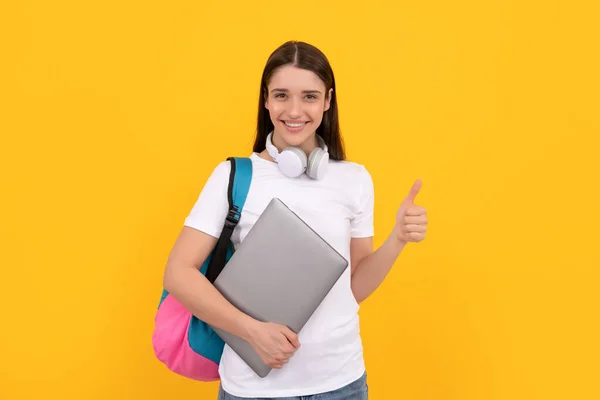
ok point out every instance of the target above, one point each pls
(292, 162)
(317, 163)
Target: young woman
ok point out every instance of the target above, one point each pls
(297, 109)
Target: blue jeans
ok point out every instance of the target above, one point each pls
(357, 390)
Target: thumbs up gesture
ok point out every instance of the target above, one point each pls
(411, 220)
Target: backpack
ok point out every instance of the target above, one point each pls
(185, 344)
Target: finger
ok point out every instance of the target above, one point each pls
(415, 236)
(416, 211)
(414, 228)
(414, 190)
(417, 220)
(291, 336)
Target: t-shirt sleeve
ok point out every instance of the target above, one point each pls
(362, 223)
(211, 207)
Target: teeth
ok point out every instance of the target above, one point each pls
(294, 125)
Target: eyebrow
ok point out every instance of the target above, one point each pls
(304, 91)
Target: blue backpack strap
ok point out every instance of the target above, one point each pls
(239, 184)
(240, 178)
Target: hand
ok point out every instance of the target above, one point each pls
(411, 220)
(274, 343)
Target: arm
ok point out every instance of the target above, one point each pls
(369, 268)
(274, 343)
(194, 291)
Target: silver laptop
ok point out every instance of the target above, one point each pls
(280, 273)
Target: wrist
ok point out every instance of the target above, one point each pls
(249, 326)
(396, 240)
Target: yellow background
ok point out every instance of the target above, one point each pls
(113, 114)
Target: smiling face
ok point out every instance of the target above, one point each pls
(296, 99)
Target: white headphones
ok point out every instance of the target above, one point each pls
(293, 162)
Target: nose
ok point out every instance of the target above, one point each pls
(295, 109)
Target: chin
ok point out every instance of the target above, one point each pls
(295, 137)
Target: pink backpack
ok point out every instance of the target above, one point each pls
(185, 344)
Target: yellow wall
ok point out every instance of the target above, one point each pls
(113, 114)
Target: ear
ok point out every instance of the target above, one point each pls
(328, 99)
(266, 97)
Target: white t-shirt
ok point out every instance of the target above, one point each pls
(338, 207)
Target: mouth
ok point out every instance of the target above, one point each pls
(294, 126)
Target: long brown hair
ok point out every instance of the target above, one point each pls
(305, 56)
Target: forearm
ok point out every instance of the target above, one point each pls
(198, 295)
(372, 270)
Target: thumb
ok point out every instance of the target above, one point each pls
(414, 191)
(291, 336)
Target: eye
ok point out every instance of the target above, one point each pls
(279, 95)
(311, 96)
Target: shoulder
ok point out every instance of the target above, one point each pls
(220, 171)
(348, 166)
(351, 173)
(218, 177)
(354, 180)
(222, 168)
